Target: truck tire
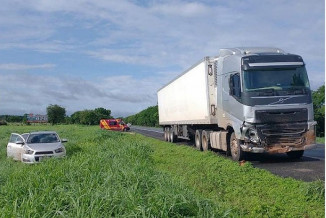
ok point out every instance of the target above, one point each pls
(205, 143)
(235, 149)
(295, 154)
(166, 134)
(198, 139)
(172, 136)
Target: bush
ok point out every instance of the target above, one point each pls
(147, 117)
(3, 123)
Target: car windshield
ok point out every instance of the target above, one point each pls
(43, 138)
(293, 80)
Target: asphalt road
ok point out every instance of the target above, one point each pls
(310, 167)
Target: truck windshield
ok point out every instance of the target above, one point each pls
(293, 80)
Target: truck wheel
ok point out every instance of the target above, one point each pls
(295, 154)
(166, 134)
(198, 139)
(235, 149)
(205, 140)
(173, 137)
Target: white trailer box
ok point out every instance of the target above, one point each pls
(186, 99)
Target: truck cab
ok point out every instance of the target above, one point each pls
(268, 104)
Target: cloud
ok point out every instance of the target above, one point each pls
(123, 95)
(189, 9)
(150, 41)
(165, 32)
(12, 66)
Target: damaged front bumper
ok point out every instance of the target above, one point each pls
(278, 138)
(31, 158)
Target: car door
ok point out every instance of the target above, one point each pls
(114, 125)
(15, 147)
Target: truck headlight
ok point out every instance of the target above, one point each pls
(59, 150)
(253, 136)
(28, 151)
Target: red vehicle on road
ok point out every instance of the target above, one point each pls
(113, 124)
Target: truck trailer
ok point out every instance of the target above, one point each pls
(243, 100)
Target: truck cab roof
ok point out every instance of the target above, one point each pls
(243, 51)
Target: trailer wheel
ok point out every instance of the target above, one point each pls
(198, 139)
(235, 149)
(166, 134)
(295, 154)
(173, 137)
(205, 140)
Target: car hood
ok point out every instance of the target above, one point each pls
(44, 146)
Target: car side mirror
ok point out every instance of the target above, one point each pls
(20, 142)
(64, 140)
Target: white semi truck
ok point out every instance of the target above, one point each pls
(243, 100)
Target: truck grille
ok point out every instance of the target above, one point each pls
(282, 115)
(291, 134)
(282, 132)
(294, 141)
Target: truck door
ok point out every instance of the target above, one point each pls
(15, 146)
(233, 105)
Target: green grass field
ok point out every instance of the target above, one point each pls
(320, 140)
(113, 174)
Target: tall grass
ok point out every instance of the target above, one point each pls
(249, 191)
(112, 174)
(104, 174)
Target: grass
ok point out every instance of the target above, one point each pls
(112, 174)
(320, 140)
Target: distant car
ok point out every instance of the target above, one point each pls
(33, 147)
(114, 124)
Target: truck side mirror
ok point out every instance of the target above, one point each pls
(231, 85)
(235, 85)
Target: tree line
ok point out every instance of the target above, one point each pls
(57, 114)
(147, 117)
(318, 98)
(90, 117)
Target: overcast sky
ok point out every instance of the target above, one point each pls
(84, 54)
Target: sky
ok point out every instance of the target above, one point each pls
(85, 54)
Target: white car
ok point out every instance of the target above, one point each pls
(32, 147)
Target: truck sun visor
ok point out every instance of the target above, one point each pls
(262, 61)
(275, 64)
